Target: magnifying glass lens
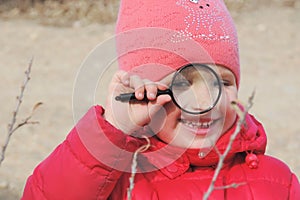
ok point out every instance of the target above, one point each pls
(196, 89)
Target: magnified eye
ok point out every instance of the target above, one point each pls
(215, 84)
(181, 84)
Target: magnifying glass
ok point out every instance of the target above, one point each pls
(195, 89)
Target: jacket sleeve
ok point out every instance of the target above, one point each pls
(294, 189)
(86, 165)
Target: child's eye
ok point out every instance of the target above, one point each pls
(181, 84)
(216, 83)
(226, 83)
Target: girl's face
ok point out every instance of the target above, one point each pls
(199, 131)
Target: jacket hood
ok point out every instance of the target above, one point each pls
(251, 139)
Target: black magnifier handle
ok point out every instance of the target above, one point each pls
(126, 97)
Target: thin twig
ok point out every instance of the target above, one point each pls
(12, 127)
(241, 121)
(233, 185)
(134, 166)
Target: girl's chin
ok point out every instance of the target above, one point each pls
(198, 139)
(203, 145)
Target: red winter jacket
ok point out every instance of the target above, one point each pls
(90, 164)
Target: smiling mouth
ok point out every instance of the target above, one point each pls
(197, 125)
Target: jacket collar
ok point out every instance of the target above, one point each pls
(252, 138)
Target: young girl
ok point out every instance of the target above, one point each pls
(156, 41)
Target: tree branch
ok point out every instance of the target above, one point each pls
(12, 127)
(242, 116)
(134, 166)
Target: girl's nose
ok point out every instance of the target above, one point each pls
(197, 99)
(202, 98)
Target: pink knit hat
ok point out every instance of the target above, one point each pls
(155, 37)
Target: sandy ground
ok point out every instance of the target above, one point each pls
(270, 49)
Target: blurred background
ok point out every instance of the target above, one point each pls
(60, 34)
(68, 12)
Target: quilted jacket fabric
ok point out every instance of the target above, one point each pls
(94, 163)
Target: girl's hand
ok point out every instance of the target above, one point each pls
(131, 116)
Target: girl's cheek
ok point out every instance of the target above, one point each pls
(231, 94)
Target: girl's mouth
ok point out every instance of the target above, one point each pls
(197, 125)
(198, 128)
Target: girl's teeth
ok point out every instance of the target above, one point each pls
(197, 124)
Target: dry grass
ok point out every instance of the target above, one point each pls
(82, 12)
(61, 12)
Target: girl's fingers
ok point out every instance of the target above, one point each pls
(137, 84)
(151, 89)
(146, 87)
(142, 87)
(131, 116)
(120, 75)
(161, 86)
(125, 78)
(166, 81)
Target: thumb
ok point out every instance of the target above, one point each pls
(162, 100)
(157, 113)
(155, 106)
